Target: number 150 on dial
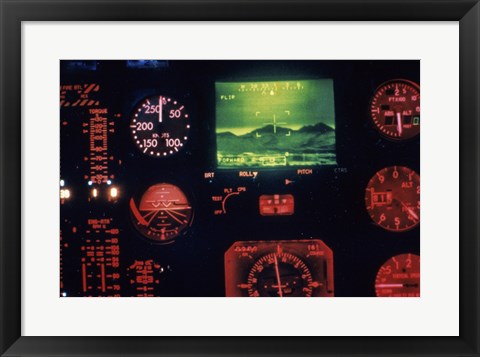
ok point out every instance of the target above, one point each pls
(160, 126)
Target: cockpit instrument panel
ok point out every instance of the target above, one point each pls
(239, 178)
(279, 269)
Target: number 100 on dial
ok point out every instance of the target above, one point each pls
(160, 126)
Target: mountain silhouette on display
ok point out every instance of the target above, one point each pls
(309, 145)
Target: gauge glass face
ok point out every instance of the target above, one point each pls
(395, 109)
(163, 214)
(392, 198)
(160, 126)
(399, 277)
(280, 275)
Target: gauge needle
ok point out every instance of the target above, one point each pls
(410, 211)
(380, 286)
(278, 276)
(399, 124)
(404, 285)
(160, 109)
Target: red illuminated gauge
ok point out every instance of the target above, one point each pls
(160, 126)
(163, 214)
(399, 277)
(280, 274)
(279, 269)
(395, 109)
(392, 198)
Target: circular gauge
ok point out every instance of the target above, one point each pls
(395, 109)
(392, 198)
(280, 275)
(160, 126)
(399, 277)
(163, 214)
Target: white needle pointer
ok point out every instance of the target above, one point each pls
(399, 124)
(160, 104)
(411, 211)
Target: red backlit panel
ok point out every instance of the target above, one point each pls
(276, 205)
(279, 269)
(100, 265)
(144, 276)
(99, 128)
(79, 95)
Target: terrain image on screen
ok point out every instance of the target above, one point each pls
(275, 123)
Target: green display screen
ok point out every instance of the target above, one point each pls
(275, 124)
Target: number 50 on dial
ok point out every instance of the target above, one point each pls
(160, 126)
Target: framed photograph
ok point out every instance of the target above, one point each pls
(239, 178)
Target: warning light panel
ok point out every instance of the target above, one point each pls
(276, 205)
(79, 95)
(297, 268)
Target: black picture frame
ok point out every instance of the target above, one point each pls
(13, 12)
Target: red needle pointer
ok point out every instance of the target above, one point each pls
(278, 276)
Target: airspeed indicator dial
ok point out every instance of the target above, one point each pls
(160, 126)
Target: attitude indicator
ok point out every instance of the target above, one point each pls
(163, 214)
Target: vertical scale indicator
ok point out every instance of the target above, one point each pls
(99, 128)
(100, 264)
(90, 234)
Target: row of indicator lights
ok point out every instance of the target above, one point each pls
(65, 193)
(113, 192)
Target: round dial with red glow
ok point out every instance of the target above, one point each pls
(392, 198)
(160, 126)
(164, 212)
(399, 277)
(280, 274)
(395, 109)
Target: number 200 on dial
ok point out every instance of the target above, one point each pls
(160, 126)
